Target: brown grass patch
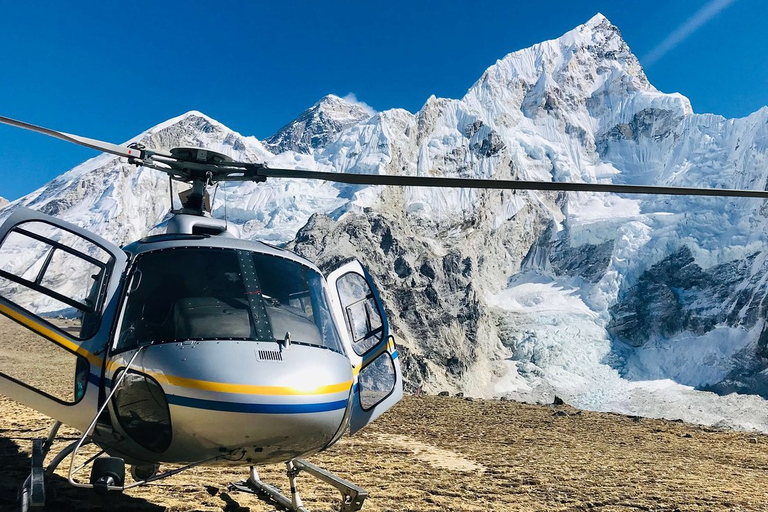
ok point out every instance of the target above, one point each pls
(436, 454)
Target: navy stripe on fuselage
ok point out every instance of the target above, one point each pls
(216, 405)
(94, 379)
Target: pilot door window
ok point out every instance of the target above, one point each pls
(224, 294)
(361, 312)
(377, 381)
(57, 278)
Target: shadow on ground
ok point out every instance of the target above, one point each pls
(59, 494)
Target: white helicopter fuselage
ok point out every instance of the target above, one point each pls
(275, 410)
(236, 352)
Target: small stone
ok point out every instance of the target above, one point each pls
(443, 393)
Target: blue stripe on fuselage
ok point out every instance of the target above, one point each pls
(216, 405)
(94, 379)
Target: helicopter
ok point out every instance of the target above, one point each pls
(194, 347)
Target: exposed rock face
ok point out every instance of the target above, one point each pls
(649, 123)
(677, 295)
(431, 282)
(317, 126)
(553, 253)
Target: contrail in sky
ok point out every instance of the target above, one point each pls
(706, 13)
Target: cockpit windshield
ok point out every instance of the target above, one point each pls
(224, 294)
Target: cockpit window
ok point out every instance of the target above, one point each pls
(215, 294)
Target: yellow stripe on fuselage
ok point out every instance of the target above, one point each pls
(220, 387)
(390, 348)
(249, 389)
(51, 335)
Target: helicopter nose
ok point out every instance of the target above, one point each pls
(225, 398)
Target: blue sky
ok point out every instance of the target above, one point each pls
(110, 70)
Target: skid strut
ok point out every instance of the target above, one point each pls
(352, 496)
(32, 493)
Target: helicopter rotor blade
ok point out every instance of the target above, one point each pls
(475, 183)
(189, 170)
(98, 145)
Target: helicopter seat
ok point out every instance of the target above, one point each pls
(286, 319)
(209, 317)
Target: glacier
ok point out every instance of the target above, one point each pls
(645, 305)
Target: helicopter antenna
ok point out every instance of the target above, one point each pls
(226, 203)
(170, 190)
(213, 198)
(213, 201)
(202, 167)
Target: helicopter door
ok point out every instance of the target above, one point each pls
(56, 286)
(379, 383)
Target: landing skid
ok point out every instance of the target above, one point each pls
(352, 496)
(32, 492)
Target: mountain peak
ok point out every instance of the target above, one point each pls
(596, 20)
(597, 30)
(195, 129)
(319, 125)
(330, 99)
(185, 118)
(592, 57)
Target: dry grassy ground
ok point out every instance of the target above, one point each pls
(445, 454)
(433, 453)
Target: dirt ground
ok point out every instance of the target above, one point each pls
(445, 454)
(450, 454)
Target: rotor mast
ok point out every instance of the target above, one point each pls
(193, 164)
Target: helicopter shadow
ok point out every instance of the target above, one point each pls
(15, 463)
(15, 468)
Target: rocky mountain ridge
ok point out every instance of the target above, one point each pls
(317, 126)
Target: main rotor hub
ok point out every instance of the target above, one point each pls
(194, 163)
(200, 156)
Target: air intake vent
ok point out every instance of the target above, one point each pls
(270, 355)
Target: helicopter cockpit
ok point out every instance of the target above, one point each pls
(224, 294)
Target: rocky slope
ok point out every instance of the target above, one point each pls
(614, 302)
(317, 126)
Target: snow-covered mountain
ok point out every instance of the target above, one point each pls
(3, 202)
(317, 126)
(122, 203)
(624, 303)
